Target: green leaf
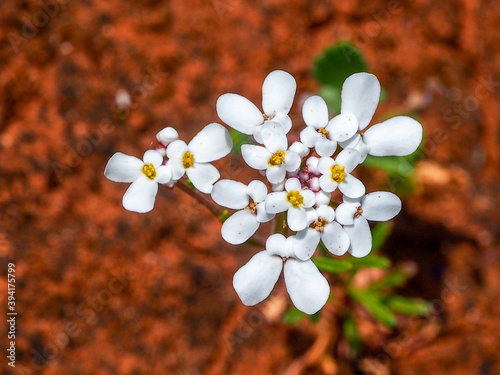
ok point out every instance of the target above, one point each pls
(331, 95)
(338, 62)
(379, 235)
(393, 165)
(351, 333)
(370, 261)
(408, 306)
(223, 216)
(372, 301)
(239, 139)
(393, 279)
(332, 265)
(293, 316)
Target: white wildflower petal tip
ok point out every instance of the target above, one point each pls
(352, 187)
(305, 243)
(361, 237)
(360, 96)
(163, 174)
(297, 218)
(239, 227)
(342, 127)
(380, 206)
(398, 136)
(348, 158)
(307, 287)
(274, 137)
(123, 168)
(257, 157)
(276, 202)
(153, 157)
(211, 143)
(315, 112)
(167, 135)
(230, 194)
(335, 239)
(255, 280)
(140, 196)
(278, 91)
(325, 146)
(239, 113)
(345, 213)
(203, 176)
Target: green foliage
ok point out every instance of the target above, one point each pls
(393, 279)
(239, 139)
(380, 233)
(331, 96)
(370, 261)
(223, 216)
(374, 303)
(350, 331)
(190, 184)
(338, 62)
(408, 306)
(332, 265)
(294, 316)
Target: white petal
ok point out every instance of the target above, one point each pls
(351, 142)
(177, 149)
(305, 243)
(335, 238)
(309, 136)
(239, 227)
(276, 173)
(256, 157)
(262, 215)
(140, 196)
(203, 176)
(312, 216)
(278, 91)
(163, 174)
(327, 213)
(315, 112)
(257, 190)
(380, 206)
(349, 158)
(312, 164)
(327, 184)
(360, 236)
(230, 194)
(177, 168)
(325, 146)
(255, 280)
(397, 136)
(360, 96)
(306, 286)
(274, 137)
(153, 157)
(276, 244)
(343, 127)
(323, 197)
(239, 113)
(167, 135)
(276, 202)
(309, 198)
(344, 213)
(284, 120)
(123, 168)
(352, 187)
(296, 218)
(325, 165)
(292, 161)
(211, 143)
(293, 184)
(299, 148)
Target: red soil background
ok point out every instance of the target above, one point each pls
(104, 291)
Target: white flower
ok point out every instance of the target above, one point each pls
(250, 200)
(241, 114)
(274, 158)
(354, 213)
(322, 134)
(397, 136)
(211, 143)
(307, 287)
(167, 136)
(294, 200)
(321, 227)
(336, 173)
(145, 176)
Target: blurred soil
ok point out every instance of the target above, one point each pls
(104, 291)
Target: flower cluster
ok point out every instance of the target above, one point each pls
(301, 178)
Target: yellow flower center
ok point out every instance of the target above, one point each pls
(187, 160)
(266, 117)
(319, 224)
(359, 211)
(338, 173)
(149, 170)
(323, 132)
(295, 198)
(277, 158)
(252, 207)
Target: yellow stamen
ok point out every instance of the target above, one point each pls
(323, 132)
(187, 160)
(319, 224)
(358, 213)
(277, 158)
(295, 198)
(149, 170)
(266, 117)
(252, 207)
(338, 173)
